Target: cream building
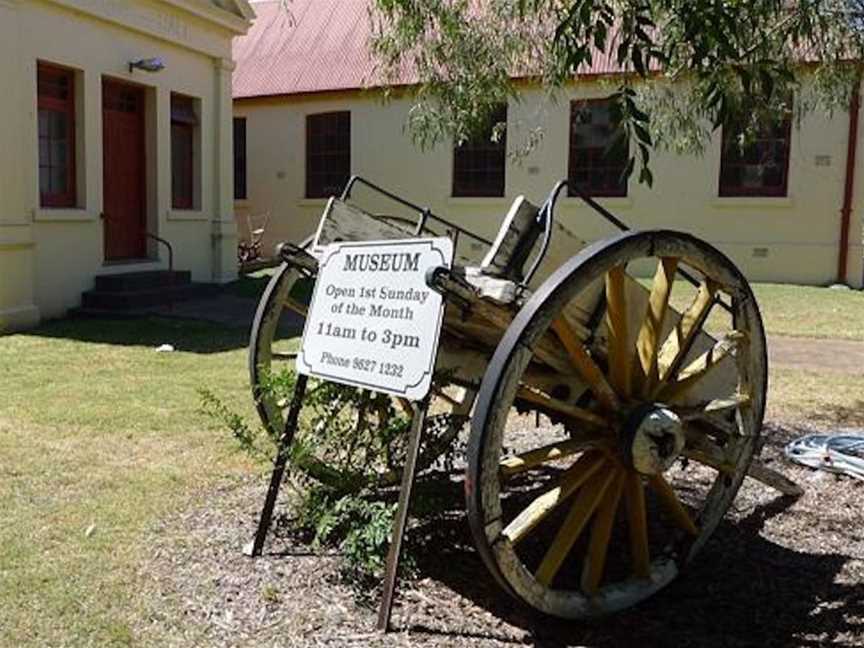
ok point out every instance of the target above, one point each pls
(299, 101)
(115, 128)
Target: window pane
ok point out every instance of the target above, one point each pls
(58, 153)
(56, 143)
(239, 158)
(479, 164)
(599, 150)
(759, 167)
(184, 128)
(182, 143)
(328, 153)
(54, 84)
(44, 182)
(58, 180)
(43, 123)
(183, 109)
(44, 148)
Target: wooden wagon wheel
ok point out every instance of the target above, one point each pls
(271, 350)
(637, 469)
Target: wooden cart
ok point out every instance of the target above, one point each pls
(650, 392)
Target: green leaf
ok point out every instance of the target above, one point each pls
(638, 62)
(646, 177)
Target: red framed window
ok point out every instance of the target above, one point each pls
(599, 150)
(761, 166)
(184, 123)
(479, 164)
(240, 188)
(328, 153)
(56, 108)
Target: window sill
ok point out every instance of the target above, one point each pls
(186, 215)
(612, 202)
(753, 201)
(474, 201)
(242, 203)
(62, 215)
(312, 202)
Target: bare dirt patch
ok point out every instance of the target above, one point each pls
(811, 354)
(776, 573)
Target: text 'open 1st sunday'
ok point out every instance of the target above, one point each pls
(373, 321)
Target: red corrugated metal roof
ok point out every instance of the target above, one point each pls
(314, 46)
(319, 46)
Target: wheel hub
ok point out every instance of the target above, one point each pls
(653, 438)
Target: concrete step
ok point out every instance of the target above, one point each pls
(139, 281)
(132, 300)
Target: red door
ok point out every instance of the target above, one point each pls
(123, 183)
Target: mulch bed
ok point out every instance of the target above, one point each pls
(775, 573)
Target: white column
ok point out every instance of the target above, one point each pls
(223, 225)
(18, 170)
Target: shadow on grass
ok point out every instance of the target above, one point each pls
(250, 286)
(846, 415)
(188, 336)
(741, 590)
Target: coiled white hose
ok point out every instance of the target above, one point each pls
(837, 453)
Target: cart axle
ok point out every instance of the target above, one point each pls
(652, 438)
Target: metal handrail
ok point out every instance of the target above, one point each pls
(609, 216)
(600, 209)
(545, 217)
(161, 240)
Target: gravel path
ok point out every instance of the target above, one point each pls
(844, 356)
(776, 573)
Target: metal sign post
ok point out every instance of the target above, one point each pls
(257, 545)
(405, 491)
(373, 323)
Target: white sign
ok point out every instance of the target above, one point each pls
(373, 321)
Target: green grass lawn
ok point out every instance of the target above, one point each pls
(101, 437)
(799, 311)
(100, 432)
(806, 311)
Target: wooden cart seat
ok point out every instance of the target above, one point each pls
(343, 222)
(515, 242)
(502, 269)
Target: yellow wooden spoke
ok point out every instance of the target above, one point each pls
(620, 356)
(588, 464)
(715, 406)
(440, 393)
(634, 494)
(721, 425)
(646, 372)
(760, 472)
(601, 532)
(669, 500)
(703, 450)
(579, 442)
(585, 365)
(681, 339)
(297, 307)
(584, 415)
(702, 366)
(586, 502)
